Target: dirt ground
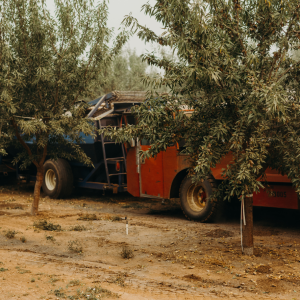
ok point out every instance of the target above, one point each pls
(164, 256)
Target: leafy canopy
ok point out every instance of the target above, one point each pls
(48, 64)
(236, 73)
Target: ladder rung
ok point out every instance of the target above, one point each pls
(116, 158)
(117, 174)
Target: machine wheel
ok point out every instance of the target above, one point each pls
(58, 179)
(194, 199)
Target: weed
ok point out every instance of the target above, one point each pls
(119, 279)
(78, 228)
(75, 246)
(73, 283)
(116, 219)
(53, 279)
(94, 293)
(50, 238)
(126, 253)
(3, 270)
(17, 207)
(133, 205)
(88, 217)
(10, 234)
(11, 200)
(23, 239)
(22, 271)
(59, 293)
(44, 225)
(32, 280)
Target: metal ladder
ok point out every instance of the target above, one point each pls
(121, 159)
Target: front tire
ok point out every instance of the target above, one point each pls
(195, 202)
(58, 179)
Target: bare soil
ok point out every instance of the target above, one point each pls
(164, 256)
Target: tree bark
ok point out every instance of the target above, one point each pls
(37, 190)
(248, 228)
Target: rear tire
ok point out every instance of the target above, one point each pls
(58, 179)
(195, 202)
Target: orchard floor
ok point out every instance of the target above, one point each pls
(173, 258)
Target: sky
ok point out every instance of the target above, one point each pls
(117, 11)
(119, 8)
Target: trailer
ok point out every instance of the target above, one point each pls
(118, 167)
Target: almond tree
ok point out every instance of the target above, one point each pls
(48, 63)
(236, 73)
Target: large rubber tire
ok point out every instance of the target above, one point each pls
(194, 199)
(58, 179)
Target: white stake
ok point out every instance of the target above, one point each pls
(126, 225)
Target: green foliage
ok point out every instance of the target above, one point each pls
(127, 72)
(48, 64)
(3, 270)
(236, 74)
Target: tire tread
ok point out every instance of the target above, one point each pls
(215, 204)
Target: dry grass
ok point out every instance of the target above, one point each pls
(116, 219)
(23, 239)
(75, 246)
(126, 253)
(50, 238)
(78, 228)
(88, 217)
(44, 225)
(10, 234)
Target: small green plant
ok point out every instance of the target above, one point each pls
(116, 219)
(50, 238)
(94, 293)
(53, 279)
(18, 207)
(59, 293)
(126, 253)
(10, 234)
(88, 217)
(73, 283)
(23, 239)
(78, 228)
(3, 270)
(119, 279)
(32, 280)
(22, 271)
(75, 246)
(44, 225)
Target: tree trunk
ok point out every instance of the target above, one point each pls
(37, 190)
(248, 228)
